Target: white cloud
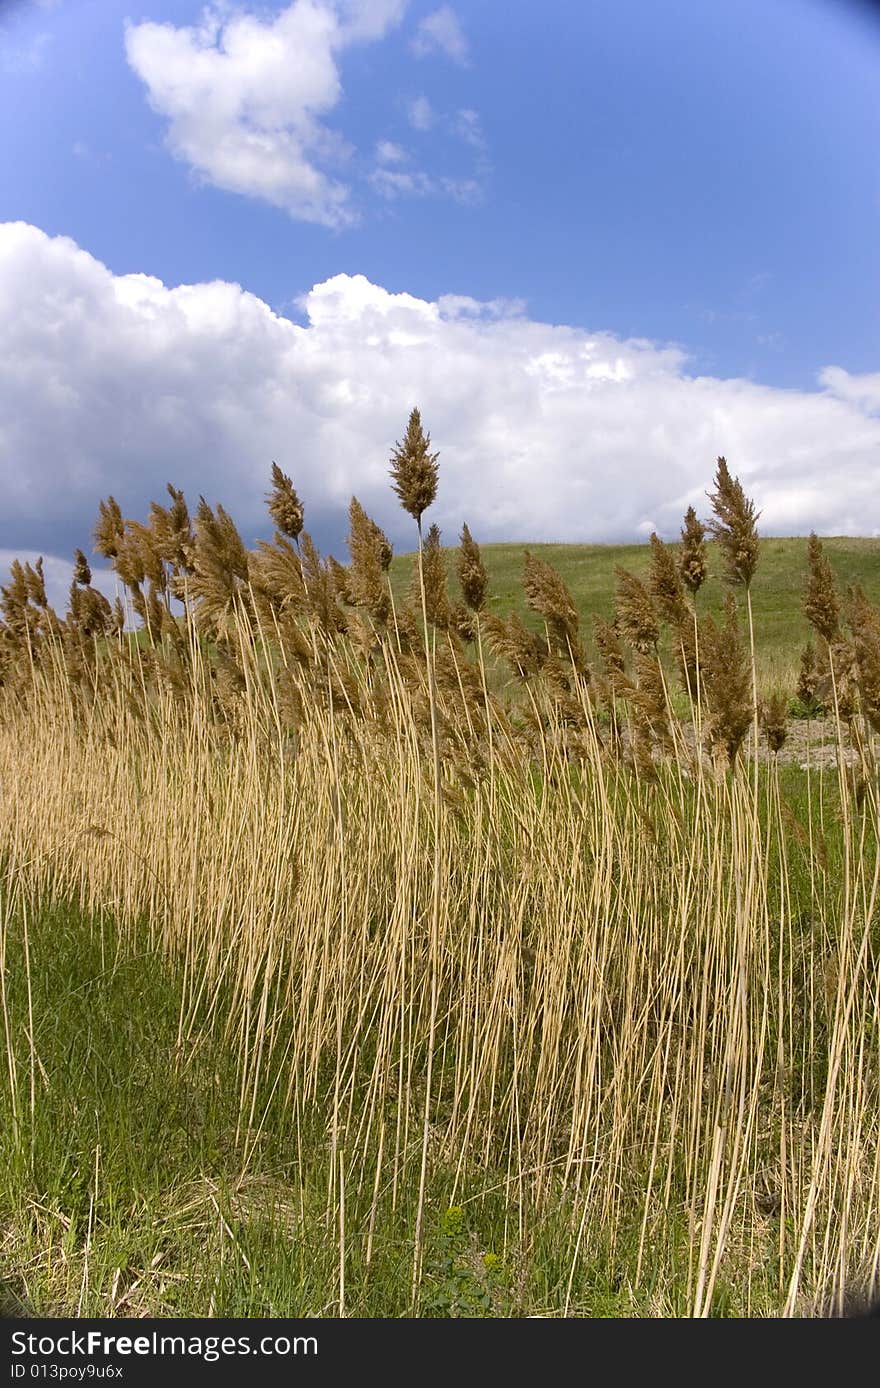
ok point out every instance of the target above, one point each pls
(387, 152)
(246, 97)
(463, 188)
(440, 32)
(469, 129)
(546, 432)
(395, 183)
(863, 391)
(420, 112)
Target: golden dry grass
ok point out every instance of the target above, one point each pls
(548, 948)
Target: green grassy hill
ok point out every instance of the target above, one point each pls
(781, 629)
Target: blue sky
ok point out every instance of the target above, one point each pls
(649, 218)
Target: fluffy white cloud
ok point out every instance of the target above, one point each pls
(440, 32)
(861, 390)
(119, 384)
(246, 97)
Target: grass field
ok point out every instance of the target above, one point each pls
(781, 629)
(340, 977)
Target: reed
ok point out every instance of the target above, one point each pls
(543, 948)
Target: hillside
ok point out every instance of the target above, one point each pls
(781, 629)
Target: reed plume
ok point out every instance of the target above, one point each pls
(812, 671)
(651, 699)
(821, 603)
(35, 583)
(109, 528)
(410, 632)
(434, 574)
(774, 721)
(636, 613)
(341, 581)
(276, 575)
(727, 682)
(548, 595)
(82, 574)
(127, 560)
(472, 576)
(414, 472)
(15, 603)
(320, 589)
(692, 557)
(143, 538)
(734, 527)
(687, 658)
(370, 559)
(864, 622)
(172, 532)
(523, 650)
(90, 613)
(220, 580)
(610, 650)
(284, 505)
(464, 622)
(666, 586)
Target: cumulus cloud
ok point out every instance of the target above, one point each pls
(863, 390)
(546, 432)
(440, 32)
(246, 97)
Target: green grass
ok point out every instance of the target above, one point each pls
(122, 1191)
(128, 1187)
(781, 629)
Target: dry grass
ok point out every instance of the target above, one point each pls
(549, 948)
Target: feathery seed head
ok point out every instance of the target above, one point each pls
(811, 673)
(414, 469)
(636, 613)
(108, 528)
(692, 556)
(171, 531)
(665, 583)
(864, 623)
(774, 720)
(735, 526)
(35, 582)
(548, 595)
(472, 575)
(285, 507)
(727, 682)
(437, 603)
(821, 603)
(370, 557)
(82, 574)
(341, 580)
